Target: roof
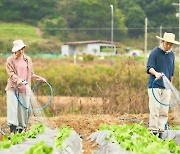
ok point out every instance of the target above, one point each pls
(90, 42)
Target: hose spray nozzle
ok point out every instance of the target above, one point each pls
(24, 82)
(162, 74)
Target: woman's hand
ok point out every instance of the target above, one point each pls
(42, 79)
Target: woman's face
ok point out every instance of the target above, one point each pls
(19, 53)
(167, 45)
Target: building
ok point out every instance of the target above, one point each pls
(94, 47)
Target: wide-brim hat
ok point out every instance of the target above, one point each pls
(168, 37)
(17, 45)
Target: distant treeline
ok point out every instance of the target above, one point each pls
(71, 20)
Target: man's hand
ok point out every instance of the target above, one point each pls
(158, 75)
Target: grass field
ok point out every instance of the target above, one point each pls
(32, 36)
(18, 30)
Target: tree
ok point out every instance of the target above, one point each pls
(54, 26)
(30, 11)
(91, 19)
(159, 12)
(134, 17)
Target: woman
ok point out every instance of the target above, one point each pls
(19, 68)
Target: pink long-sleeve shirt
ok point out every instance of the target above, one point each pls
(12, 70)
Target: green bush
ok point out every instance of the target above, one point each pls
(74, 80)
(88, 58)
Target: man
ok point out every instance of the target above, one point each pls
(19, 68)
(161, 60)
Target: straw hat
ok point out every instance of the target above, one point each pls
(169, 37)
(17, 45)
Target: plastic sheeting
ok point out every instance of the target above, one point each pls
(48, 136)
(72, 144)
(172, 134)
(110, 146)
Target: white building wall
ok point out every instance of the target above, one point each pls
(67, 50)
(93, 49)
(80, 49)
(71, 50)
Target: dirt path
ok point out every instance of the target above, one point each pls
(84, 125)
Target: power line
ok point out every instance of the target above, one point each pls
(16, 28)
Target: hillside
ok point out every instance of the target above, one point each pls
(32, 36)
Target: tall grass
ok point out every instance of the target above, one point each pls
(128, 91)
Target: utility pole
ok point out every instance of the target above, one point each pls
(112, 14)
(75, 57)
(178, 14)
(160, 33)
(145, 41)
(112, 32)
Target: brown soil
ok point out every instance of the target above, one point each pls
(85, 124)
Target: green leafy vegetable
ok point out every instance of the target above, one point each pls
(40, 148)
(64, 132)
(136, 138)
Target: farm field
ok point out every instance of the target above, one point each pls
(87, 102)
(98, 99)
(82, 120)
(77, 112)
(86, 124)
(70, 111)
